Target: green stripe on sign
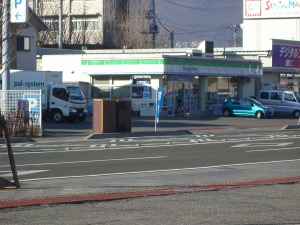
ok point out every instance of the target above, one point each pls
(177, 62)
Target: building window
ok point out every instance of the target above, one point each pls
(85, 24)
(23, 43)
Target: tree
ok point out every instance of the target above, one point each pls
(123, 23)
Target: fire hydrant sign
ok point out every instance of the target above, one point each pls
(18, 11)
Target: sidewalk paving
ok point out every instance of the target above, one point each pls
(50, 192)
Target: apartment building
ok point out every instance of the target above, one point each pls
(89, 22)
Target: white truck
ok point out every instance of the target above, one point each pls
(59, 101)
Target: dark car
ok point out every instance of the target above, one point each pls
(235, 106)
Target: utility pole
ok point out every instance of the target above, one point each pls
(60, 24)
(154, 26)
(5, 45)
(234, 28)
(172, 39)
(5, 82)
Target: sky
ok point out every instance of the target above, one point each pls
(198, 20)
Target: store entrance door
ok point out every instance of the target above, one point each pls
(182, 97)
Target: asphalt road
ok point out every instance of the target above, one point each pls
(50, 160)
(66, 166)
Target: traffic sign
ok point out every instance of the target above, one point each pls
(18, 11)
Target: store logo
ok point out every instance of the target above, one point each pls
(190, 69)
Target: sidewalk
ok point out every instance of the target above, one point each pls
(92, 188)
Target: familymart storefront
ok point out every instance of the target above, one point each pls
(191, 84)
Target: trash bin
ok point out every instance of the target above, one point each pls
(124, 116)
(104, 116)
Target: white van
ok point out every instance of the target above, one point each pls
(282, 101)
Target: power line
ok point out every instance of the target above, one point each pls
(170, 32)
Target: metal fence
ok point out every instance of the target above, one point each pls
(22, 111)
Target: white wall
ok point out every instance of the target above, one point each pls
(248, 87)
(70, 65)
(258, 34)
(269, 80)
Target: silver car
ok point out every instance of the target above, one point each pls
(282, 101)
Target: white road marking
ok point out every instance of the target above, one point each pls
(161, 171)
(89, 161)
(255, 145)
(274, 149)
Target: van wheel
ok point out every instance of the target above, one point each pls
(226, 113)
(57, 116)
(259, 115)
(297, 114)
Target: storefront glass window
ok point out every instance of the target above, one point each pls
(120, 92)
(100, 92)
(181, 95)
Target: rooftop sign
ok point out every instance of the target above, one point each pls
(254, 9)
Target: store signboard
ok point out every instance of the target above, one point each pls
(286, 54)
(254, 9)
(181, 78)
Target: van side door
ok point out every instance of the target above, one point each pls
(276, 101)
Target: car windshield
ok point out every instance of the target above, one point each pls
(297, 94)
(75, 93)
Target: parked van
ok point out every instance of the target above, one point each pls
(282, 101)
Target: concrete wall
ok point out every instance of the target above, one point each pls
(26, 60)
(70, 65)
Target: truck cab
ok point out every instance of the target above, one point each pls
(66, 101)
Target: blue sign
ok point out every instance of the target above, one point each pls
(160, 95)
(34, 107)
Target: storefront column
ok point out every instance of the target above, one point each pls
(203, 86)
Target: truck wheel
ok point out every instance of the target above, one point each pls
(57, 116)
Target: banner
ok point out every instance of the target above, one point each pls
(286, 54)
(160, 95)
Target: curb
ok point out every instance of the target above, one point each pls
(127, 194)
(137, 134)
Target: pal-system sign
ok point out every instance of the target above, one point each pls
(18, 11)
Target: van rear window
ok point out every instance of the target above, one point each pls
(264, 95)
